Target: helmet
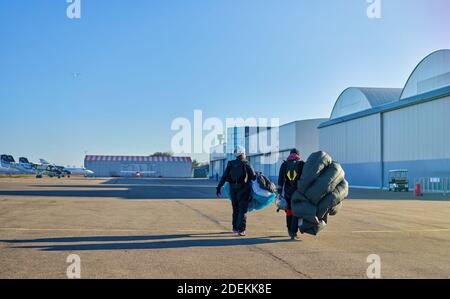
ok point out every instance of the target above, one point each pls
(239, 151)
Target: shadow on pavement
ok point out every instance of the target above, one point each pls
(130, 193)
(158, 181)
(160, 242)
(111, 238)
(127, 188)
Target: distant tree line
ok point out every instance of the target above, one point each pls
(162, 154)
(195, 163)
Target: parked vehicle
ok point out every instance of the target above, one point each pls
(398, 180)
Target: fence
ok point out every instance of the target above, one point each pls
(434, 184)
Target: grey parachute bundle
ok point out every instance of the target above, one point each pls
(321, 189)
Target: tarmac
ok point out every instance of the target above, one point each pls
(176, 228)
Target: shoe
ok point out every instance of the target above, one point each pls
(241, 234)
(235, 231)
(295, 238)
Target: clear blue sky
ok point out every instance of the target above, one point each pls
(142, 63)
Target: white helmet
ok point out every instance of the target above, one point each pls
(239, 151)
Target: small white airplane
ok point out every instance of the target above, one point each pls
(45, 168)
(137, 173)
(79, 171)
(67, 170)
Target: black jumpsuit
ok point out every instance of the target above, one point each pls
(240, 193)
(289, 188)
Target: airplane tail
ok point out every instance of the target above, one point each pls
(3, 160)
(6, 160)
(43, 161)
(24, 160)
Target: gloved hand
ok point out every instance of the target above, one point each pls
(278, 198)
(218, 193)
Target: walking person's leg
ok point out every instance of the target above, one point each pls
(235, 206)
(294, 226)
(291, 221)
(242, 218)
(289, 215)
(244, 200)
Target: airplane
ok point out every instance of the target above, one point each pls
(79, 171)
(52, 170)
(67, 171)
(9, 165)
(26, 167)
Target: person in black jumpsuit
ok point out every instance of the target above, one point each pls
(239, 174)
(290, 172)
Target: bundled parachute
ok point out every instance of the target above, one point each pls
(320, 192)
(262, 194)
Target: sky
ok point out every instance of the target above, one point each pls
(113, 81)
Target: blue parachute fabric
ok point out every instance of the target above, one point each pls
(261, 202)
(257, 202)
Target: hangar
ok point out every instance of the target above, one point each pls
(302, 134)
(148, 166)
(374, 130)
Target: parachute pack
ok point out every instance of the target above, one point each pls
(260, 197)
(320, 192)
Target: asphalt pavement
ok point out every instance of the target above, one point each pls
(176, 228)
